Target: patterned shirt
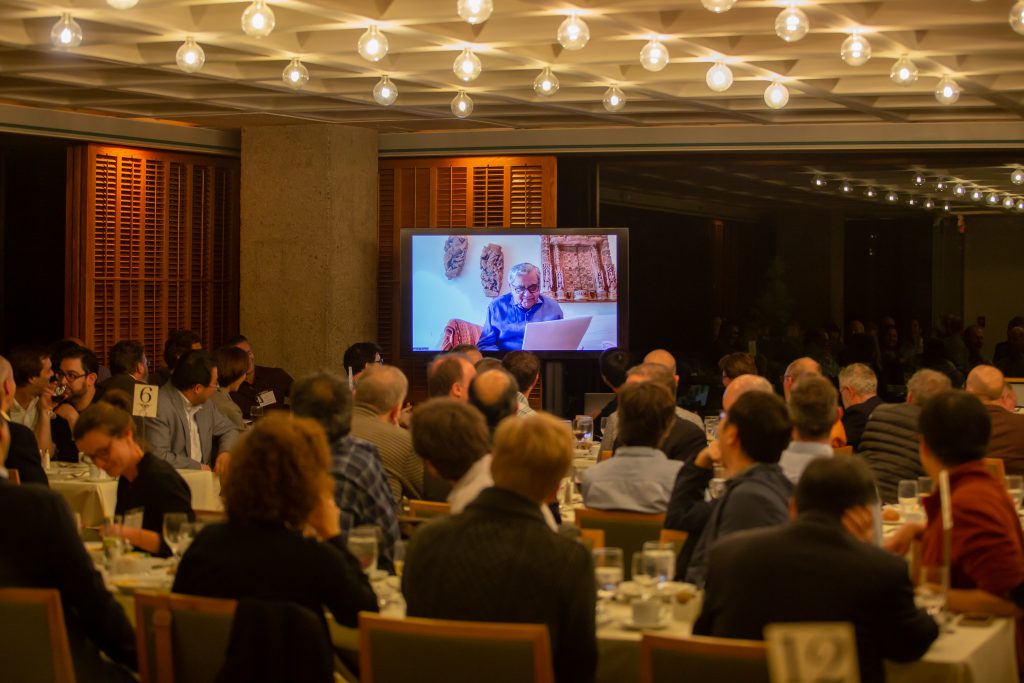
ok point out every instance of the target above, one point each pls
(362, 493)
(506, 322)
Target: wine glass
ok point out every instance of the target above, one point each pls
(661, 560)
(607, 571)
(930, 594)
(362, 543)
(175, 532)
(114, 543)
(906, 494)
(399, 557)
(1015, 485)
(604, 427)
(583, 430)
(643, 572)
(924, 488)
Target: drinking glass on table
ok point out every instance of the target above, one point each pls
(711, 428)
(1015, 485)
(660, 560)
(399, 557)
(604, 429)
(583, 430)
(362, 543)
(930, 594)
(906, 494)
(256, 411)
(643, 572)
(607, 571)
(176, 532)
(924, 488)
(114, 543)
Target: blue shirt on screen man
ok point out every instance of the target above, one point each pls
(508, 314)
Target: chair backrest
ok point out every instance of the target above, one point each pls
(626, 530)
(428, 508)
(181, 637)
(707, 660)
(33, 638)
(996, 467)
(14, 477)
(592, 538)
(675, 537)
(422, 650)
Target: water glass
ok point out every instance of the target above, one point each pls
(711, 428)
(661, 560)
(363, 543)
(398, 556)
(906, 494)
(604, 427)
(930, 594)
(583, 430)
(924, 488)
(1015, 485)
(176, 535)
(608, 571)
(643, 573)
(114, 543)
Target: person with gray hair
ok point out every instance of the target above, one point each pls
(813, 404)
(890, 441)
(379, 396)
(509, 313)
(361, 489)
(858, 389)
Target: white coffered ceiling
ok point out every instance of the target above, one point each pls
(125, 65)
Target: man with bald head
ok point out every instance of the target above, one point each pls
(493, 393)
(663, 357)
(1007, 439)
(806, 367)
(23, 452)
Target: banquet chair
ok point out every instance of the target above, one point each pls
(996, 467)
(181, 637)
(664, 659)
(33, 638)
(626, 530)
(428, 508)
(444, 651)
(592, 538)
(14, 477)
(675, 537)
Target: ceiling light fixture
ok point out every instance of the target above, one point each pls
(1017, 17)
(929, 203)
(373, 44)
(1008, 202)
(856, 50)
(959, 190)
(573, 33)
(993, 198)
(791, 25)
(718, 6)
(870, 193)
(614, 99)
(66, 33)
(295, 75)
(1020, 204)
(819, 181)
(475, 11)
(945, 206)
(258, 19)
(977, 195)
(941, 185)
(546, 83)
(918, 179)
(654, 55)
(122, 4)
(462, 105)
(776, 95)
(892, 197)
(846, 187)
(719, 77)
(467, 66)
(904, 72)
(190, 56)
(947, 91)
(1017, 177)
(385, 93)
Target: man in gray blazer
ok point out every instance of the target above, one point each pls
(188, 431)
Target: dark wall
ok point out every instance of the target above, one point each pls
(33, 180)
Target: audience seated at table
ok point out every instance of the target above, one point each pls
(889, 444)
(1007, 439)
(493, 393)
(525, 367)
(815, 569)
(858, 389)
(23, 452)
(639, 478)
(105, 432)
(497, 561)
(813, 410)
(264, 386)
(361, 488)
(33, 397)
(279, 483)
(40, 548)
(77, 371)
(232, 363)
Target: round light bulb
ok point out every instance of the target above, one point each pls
(904, 72)
(295, 75)
(66, 33)
(573, 33)
(258, 19)
(946, 206)
(475, 11)
(918, 179)
(791, 25)
(1017, 17)
(1017, 177)
(947, 91)
(846, 187)
(614, 99)
(819, 181)
(385, 92)
(959, 190)
(1020, 204)
(993, 198)
(892, 197)
(546, 83)
(977, 195)
(929, 203)
(718, 6)
(467, 66)
(940, 186)
(1008, 202)
(912, 201)
(373, 45)
(776, 95)
(870, 193)
(462, 105)
(190, 56)
(654, 55)
(719, 77)
(122, 4)
(856, 50)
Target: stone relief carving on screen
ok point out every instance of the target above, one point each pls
(578, 268)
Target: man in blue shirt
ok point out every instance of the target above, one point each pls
(508, 314)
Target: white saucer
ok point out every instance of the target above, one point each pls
(632, 626)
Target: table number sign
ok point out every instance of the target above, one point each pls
(812, 653)
(144, 404)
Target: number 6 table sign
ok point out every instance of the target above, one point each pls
(144, 404)
(812, 653)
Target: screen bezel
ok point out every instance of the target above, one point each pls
(405, 273)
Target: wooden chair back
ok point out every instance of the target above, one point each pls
(422, 650)
(592, 538)
(33, 637)
(428, 508)
(708, 660)
(626, 530)
(14, 477)
(181, 637)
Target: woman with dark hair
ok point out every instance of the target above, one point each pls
(105, 432)
(232, 364)
(279, 485)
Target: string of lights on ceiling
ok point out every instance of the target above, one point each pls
(573, 34)
(931, 192)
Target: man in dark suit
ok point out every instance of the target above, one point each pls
(821, 567)
(498, 561)
(23, 452)
(858, 388)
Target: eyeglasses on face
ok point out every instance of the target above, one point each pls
(532, 289)
(71, 375)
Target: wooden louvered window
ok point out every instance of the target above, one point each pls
(474, 192)
(152, 247)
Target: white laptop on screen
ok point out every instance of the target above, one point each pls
(555, 335)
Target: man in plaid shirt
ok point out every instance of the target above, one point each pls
(362, 492)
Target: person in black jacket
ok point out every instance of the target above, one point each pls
(815, 569)
(858, 388)
(498, 561)
(23, 450)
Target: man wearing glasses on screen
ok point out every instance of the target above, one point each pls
(508, 314)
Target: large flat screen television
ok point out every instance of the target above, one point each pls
(560, 293)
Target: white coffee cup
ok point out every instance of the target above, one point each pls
(650, 612)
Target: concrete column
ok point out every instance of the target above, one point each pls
(308, 243)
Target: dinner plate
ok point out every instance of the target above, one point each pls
(633, 626)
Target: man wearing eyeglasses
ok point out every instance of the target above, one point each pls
(77, 373)
(508, 314)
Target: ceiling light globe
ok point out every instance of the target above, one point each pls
(912, 201)
(870, 193)
(993, 198)
(373, 45)
(977, 195)
(776, 95)
(856, 50)
(846, 188)
(258, 19)
(947, 91)
(1020, 204)
(1009, 202)
(1017, 17)
(546, 83)
(892, 197)
(1017, 177)
(66, 34)
(791, 25)
(904, 72)
(475, 11)
(959, 190)
(462, 105)
(929, 203)
(385, 93)
(190, 56)
(819, 181)
(918, 179)
(614, 99)
(654, 55)
(719, 77)
(718, 6)
(573, 33)
(467, 66)
(295, 75)
(941, 185)
(122, 4)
